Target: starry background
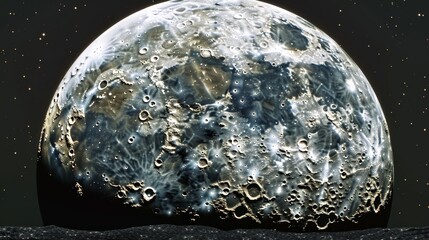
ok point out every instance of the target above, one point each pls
(39, 40)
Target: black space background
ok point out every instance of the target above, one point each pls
(39, 40)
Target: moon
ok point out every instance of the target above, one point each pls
(221, 113)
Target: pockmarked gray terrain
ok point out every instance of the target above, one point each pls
(222, 113)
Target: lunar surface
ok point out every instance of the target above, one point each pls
(225, 113)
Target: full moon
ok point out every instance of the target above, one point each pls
(223, 113)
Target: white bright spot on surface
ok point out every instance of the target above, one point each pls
(273, 143)
(351, 85)
(279, 190)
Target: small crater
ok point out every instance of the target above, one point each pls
(158, 163)
(196, 107)
(146, 98)
(71, 153)
(71, 120)
(154, 58)
(203, 163)
(180, 10)
(206, 53)
(121, 194)
(131, 139)
(102, 85)
(144, 115)
(240, 212)
(232, 201)
(143, 50)
(303, 145)
(322, 221)
(263, 44)
(149, 194)
(253, 191)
